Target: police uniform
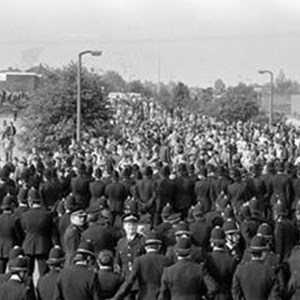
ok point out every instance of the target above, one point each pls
(39, 227)
(78, 282)
(80, 187)
(146, 192)
(116, 193)
(165, 193)
(97, 189)
(184, 195)
(200, 228)
(282, 188)
(46, 283)
(185, 279)
(102, 237)
(49, 190)
(109, 282)
(127, 251)
(220, 265)
(10, 231)
(15, 287)
(255, 280)
(202, 191)
(147, 270)
(72, 239)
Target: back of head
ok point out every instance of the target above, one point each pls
(106, 258)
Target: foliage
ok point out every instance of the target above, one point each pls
(180, 95)
(135, 86)
(113, 82)
(238, 103)
(285, 86)
(50, 117)
(219, 87)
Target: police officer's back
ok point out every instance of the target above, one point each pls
(79, 281)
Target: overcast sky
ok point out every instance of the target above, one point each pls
(196, 41)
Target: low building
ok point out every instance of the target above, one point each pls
(19, 81)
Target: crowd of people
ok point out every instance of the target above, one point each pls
(178, 206)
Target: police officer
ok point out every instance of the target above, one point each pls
(80, 186)
(200, 228)
(147, 270)
(97, 187)
(73, 233)
(185, 279)
(46, 284)
(39, 227)
(129, 247)
(15, 288)
(255, 280)
(79, 281)
(10, 231)
(109, 280)
(116, 194)
(220, 264)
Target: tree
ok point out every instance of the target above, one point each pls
(135, 86)
(50, 117)
(113, 82)
(285, 86)
(181, 95)
(239, 103)
(165, 97)
(219, 87)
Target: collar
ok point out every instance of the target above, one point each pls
(15, 277)
(106, 268)
(218, 249)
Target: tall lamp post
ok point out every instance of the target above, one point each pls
(271, 94)
(93, 53)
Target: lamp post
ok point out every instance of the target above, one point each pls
(93, 53)
(271, 93)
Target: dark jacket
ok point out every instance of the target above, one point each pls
(185, 280)
(50, 193)
(109, 282)
(184, 194)
(255, 281)
(102, 237)
(39, 228)
(72, 238)
(116, 193)
(15, 290)
(46, 285)
(202, 191)
(77, 283)
(147, 270)
(97, 189)
(221, 266)
(80, 187)
(10, 233)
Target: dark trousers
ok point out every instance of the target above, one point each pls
(42, 265)
(3, 264)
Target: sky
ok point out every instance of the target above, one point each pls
(193, 41)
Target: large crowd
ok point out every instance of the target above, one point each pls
(176, 206)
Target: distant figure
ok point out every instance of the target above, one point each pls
(8, 145)
(4, 129)
(15, 113)
(8, 140)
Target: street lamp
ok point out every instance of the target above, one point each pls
(93, 53)
(271, 95)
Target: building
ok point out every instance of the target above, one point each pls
(14, 81)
